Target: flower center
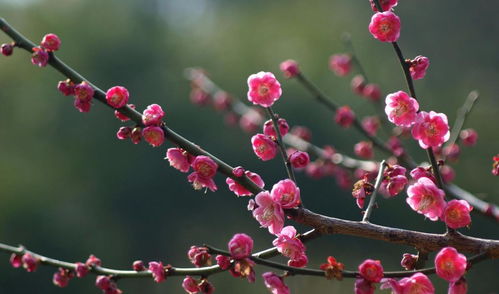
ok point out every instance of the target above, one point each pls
(268, 213)
(426, 201)
(263, 90)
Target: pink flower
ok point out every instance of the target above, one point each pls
(358, 84)
(199, 182)
(103, 282)
(409, 261)
(426, 198)
(371, 270)
(431, 129)
(84, 92)
(264, 89)
(385, 26)
(81, 269)
(264, 147)
(289, 68)
(51, 42)
(286, 193)
(269, 213)
(153, 115)
(363, 286)
(206, 287)
(340, 64)
(238, 171)
(61, 277)
(299, 159)
(82, 106)
(179, 159)
(450, 264)
(268, 128)
(158, 271)
(30, 263)
(289, 245)
(275, 284)
(223, 261)
(190, 285)
(459, 287)
(153, 135)
(468, 137)
(243, 268)
(371, 125)
(385, 4)
(401, 109)
(199, 256)
(417, 284)
(395, 146)
(15, 260)
(344, 116)
(93, 261)
(457, 214)
(301, 261)
(117, 96)
(240, 246)
(394, 180)
(418, 67)
(124, 133)
(364, 149)
(421, 172)
(7, 49)
(66, 87)
(138, 266)
(239, 190)
(205, 166)
(40, 57)
(199, 97)
(372, 92)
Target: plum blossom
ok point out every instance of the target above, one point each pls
(289, 245)
(269, 212)
(385, 26)
(289, 68)
(264, 89)
(264, 147)
(431, 129)
(418, 67)
(418, 283)
(340, 64)
(239, 190)
(371, 270)
(286, 193)
(275, 284)
(401, 109)
(240, 246)
(426, 198)
(450, 264)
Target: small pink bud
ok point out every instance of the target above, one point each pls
(302, 132)
(451, 152)
(179, 159)
(385, 4)
(153, 115)
(223, 261)
(250, 121)
(447, 173)
(16, 260)
(138, 266)
(84, 92)
(158, 271)
(238, 171)
(395, 146)
(264, 89)
(66, 87)
(264, 147)
(418, 67)
(450, 264)
(457, 214)
(199, 256)
(7, 49)
(103, 282)
(385, 26)
(372, 92)
(124, 133)
(51, 42)
(239, 190)
(82, 106)
(409, 261)
(136, 135)
(371, 270)
(199, 97)
(344, 116)
(371, 125)
(117, 96)
(468, 137)
(153, 135)
(459, 287)
(358, 84)
(222, 101)
(61, 278)
(364, 149)
(240, 246)
(299, 159)
(40, 57)
(30, 263)
(269, 130)
(340, 64)
(289, 68)
(93, 261)
(81, 269)
(190, 285)
(121, 116)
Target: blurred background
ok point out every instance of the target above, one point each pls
(69, 188)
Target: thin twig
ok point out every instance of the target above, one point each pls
(462, 115)
(379, 180)
(280, 143)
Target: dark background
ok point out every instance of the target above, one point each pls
(69, 188)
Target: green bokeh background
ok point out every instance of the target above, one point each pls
(69, 188)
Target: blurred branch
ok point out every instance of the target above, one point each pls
(462, 115)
